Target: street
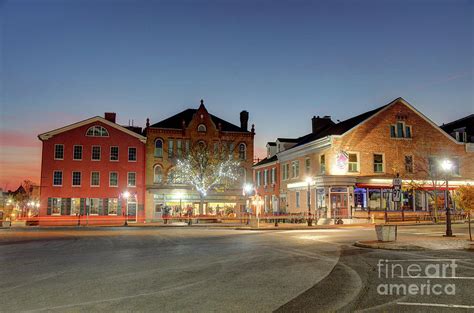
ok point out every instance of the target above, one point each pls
(140, 269)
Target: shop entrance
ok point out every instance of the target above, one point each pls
(339, 205)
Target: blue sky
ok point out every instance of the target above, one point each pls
(283, 61)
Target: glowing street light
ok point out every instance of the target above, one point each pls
(126, 194)
(447, 166)
(247, 191)
(309, 180)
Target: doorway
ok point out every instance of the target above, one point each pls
(339, 205)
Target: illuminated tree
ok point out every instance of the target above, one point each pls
(206, 171)
(464, 197)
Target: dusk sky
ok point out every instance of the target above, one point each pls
(64, 61)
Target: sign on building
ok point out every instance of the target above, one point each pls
(397, 192)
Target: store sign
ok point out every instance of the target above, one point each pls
(397, 192)
(342, 159)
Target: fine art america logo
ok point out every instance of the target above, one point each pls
(425, 277)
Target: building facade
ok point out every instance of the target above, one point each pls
(462, 129)
(350, 165)
(170, 139)
(92, 172)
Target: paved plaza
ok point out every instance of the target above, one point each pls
(216, 270)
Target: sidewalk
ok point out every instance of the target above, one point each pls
(459, 242)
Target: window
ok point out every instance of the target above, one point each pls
(297, 195)
(55, 206)
(295, 169)
(231, 150)
(75, 206)
(273, 175)
(202, 128)
(186, 145)
(408, 132)
(114, 153)
(94, 206)
(158, 175)
(57, 178)
(179, 148)
(95, 179)
(112, 206)
(58, 152)
(216, 150)
(132, 154)
(265, 177)
(77, 153)
(172, 179)
(286, 171)
(257, 178)
(113, 179)
(432, 166)
(307, 166)
(353, 162)
(132, 179)
(378, 163)
(409, 163)
(95, 153)
(455, 170)
(242, 151)
(400, 130)
(322, 164)
(158, 148)
(97, 131)
(170, 148)
(76, 179)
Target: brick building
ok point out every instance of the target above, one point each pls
(351, 164)
(92, 170)
(172, 138)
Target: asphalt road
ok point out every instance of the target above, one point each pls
(220, 270)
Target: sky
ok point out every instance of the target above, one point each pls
(284, 61)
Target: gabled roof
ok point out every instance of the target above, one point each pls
(266, 161)
(47, 135)
(339, 128)
(271, 144)
(462, 122)
(345, 126)
(292, 140)
(176, 122)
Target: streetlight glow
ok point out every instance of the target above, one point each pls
(309, 180)
(447, 165)
(248, 188)
(126, 194)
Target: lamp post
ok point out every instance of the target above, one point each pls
(247, 191)
(447, 166)
(309, 180)
(126, 195)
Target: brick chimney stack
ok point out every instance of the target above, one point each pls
(244, 120)
(110, 116)
(321, 123)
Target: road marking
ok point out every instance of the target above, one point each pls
(438, 305)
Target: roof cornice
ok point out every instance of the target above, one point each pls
(52, 133)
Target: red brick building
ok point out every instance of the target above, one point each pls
(351, 164)
(92, 171)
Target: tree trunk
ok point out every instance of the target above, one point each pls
(201, 204)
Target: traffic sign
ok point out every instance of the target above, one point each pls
(397, 195)
(397, 182)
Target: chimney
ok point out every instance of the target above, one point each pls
(110, 116)
(321, 123)
(244, 120)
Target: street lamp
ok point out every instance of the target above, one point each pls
(126, 195)
(447, 166)
(309, 180)
(247, 191)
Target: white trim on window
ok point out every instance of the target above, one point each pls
(110, 173)
(136, 154)
(383, 162)
(72, 179)
(74, 152)
(110, 153)
(128, 179)
(57, 145)
(92, 172)
(92, 153)
(62, 178)
(348, 161)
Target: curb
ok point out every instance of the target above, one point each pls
(387, 246)
(470, 246)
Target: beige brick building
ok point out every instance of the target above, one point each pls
(352, 163)
(172, 138)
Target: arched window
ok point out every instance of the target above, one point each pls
(242, 151)
(158, 148)
(158, 174)
(97, 131)
(202, 128)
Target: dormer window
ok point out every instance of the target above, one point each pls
(202, 128)
(97, 131)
